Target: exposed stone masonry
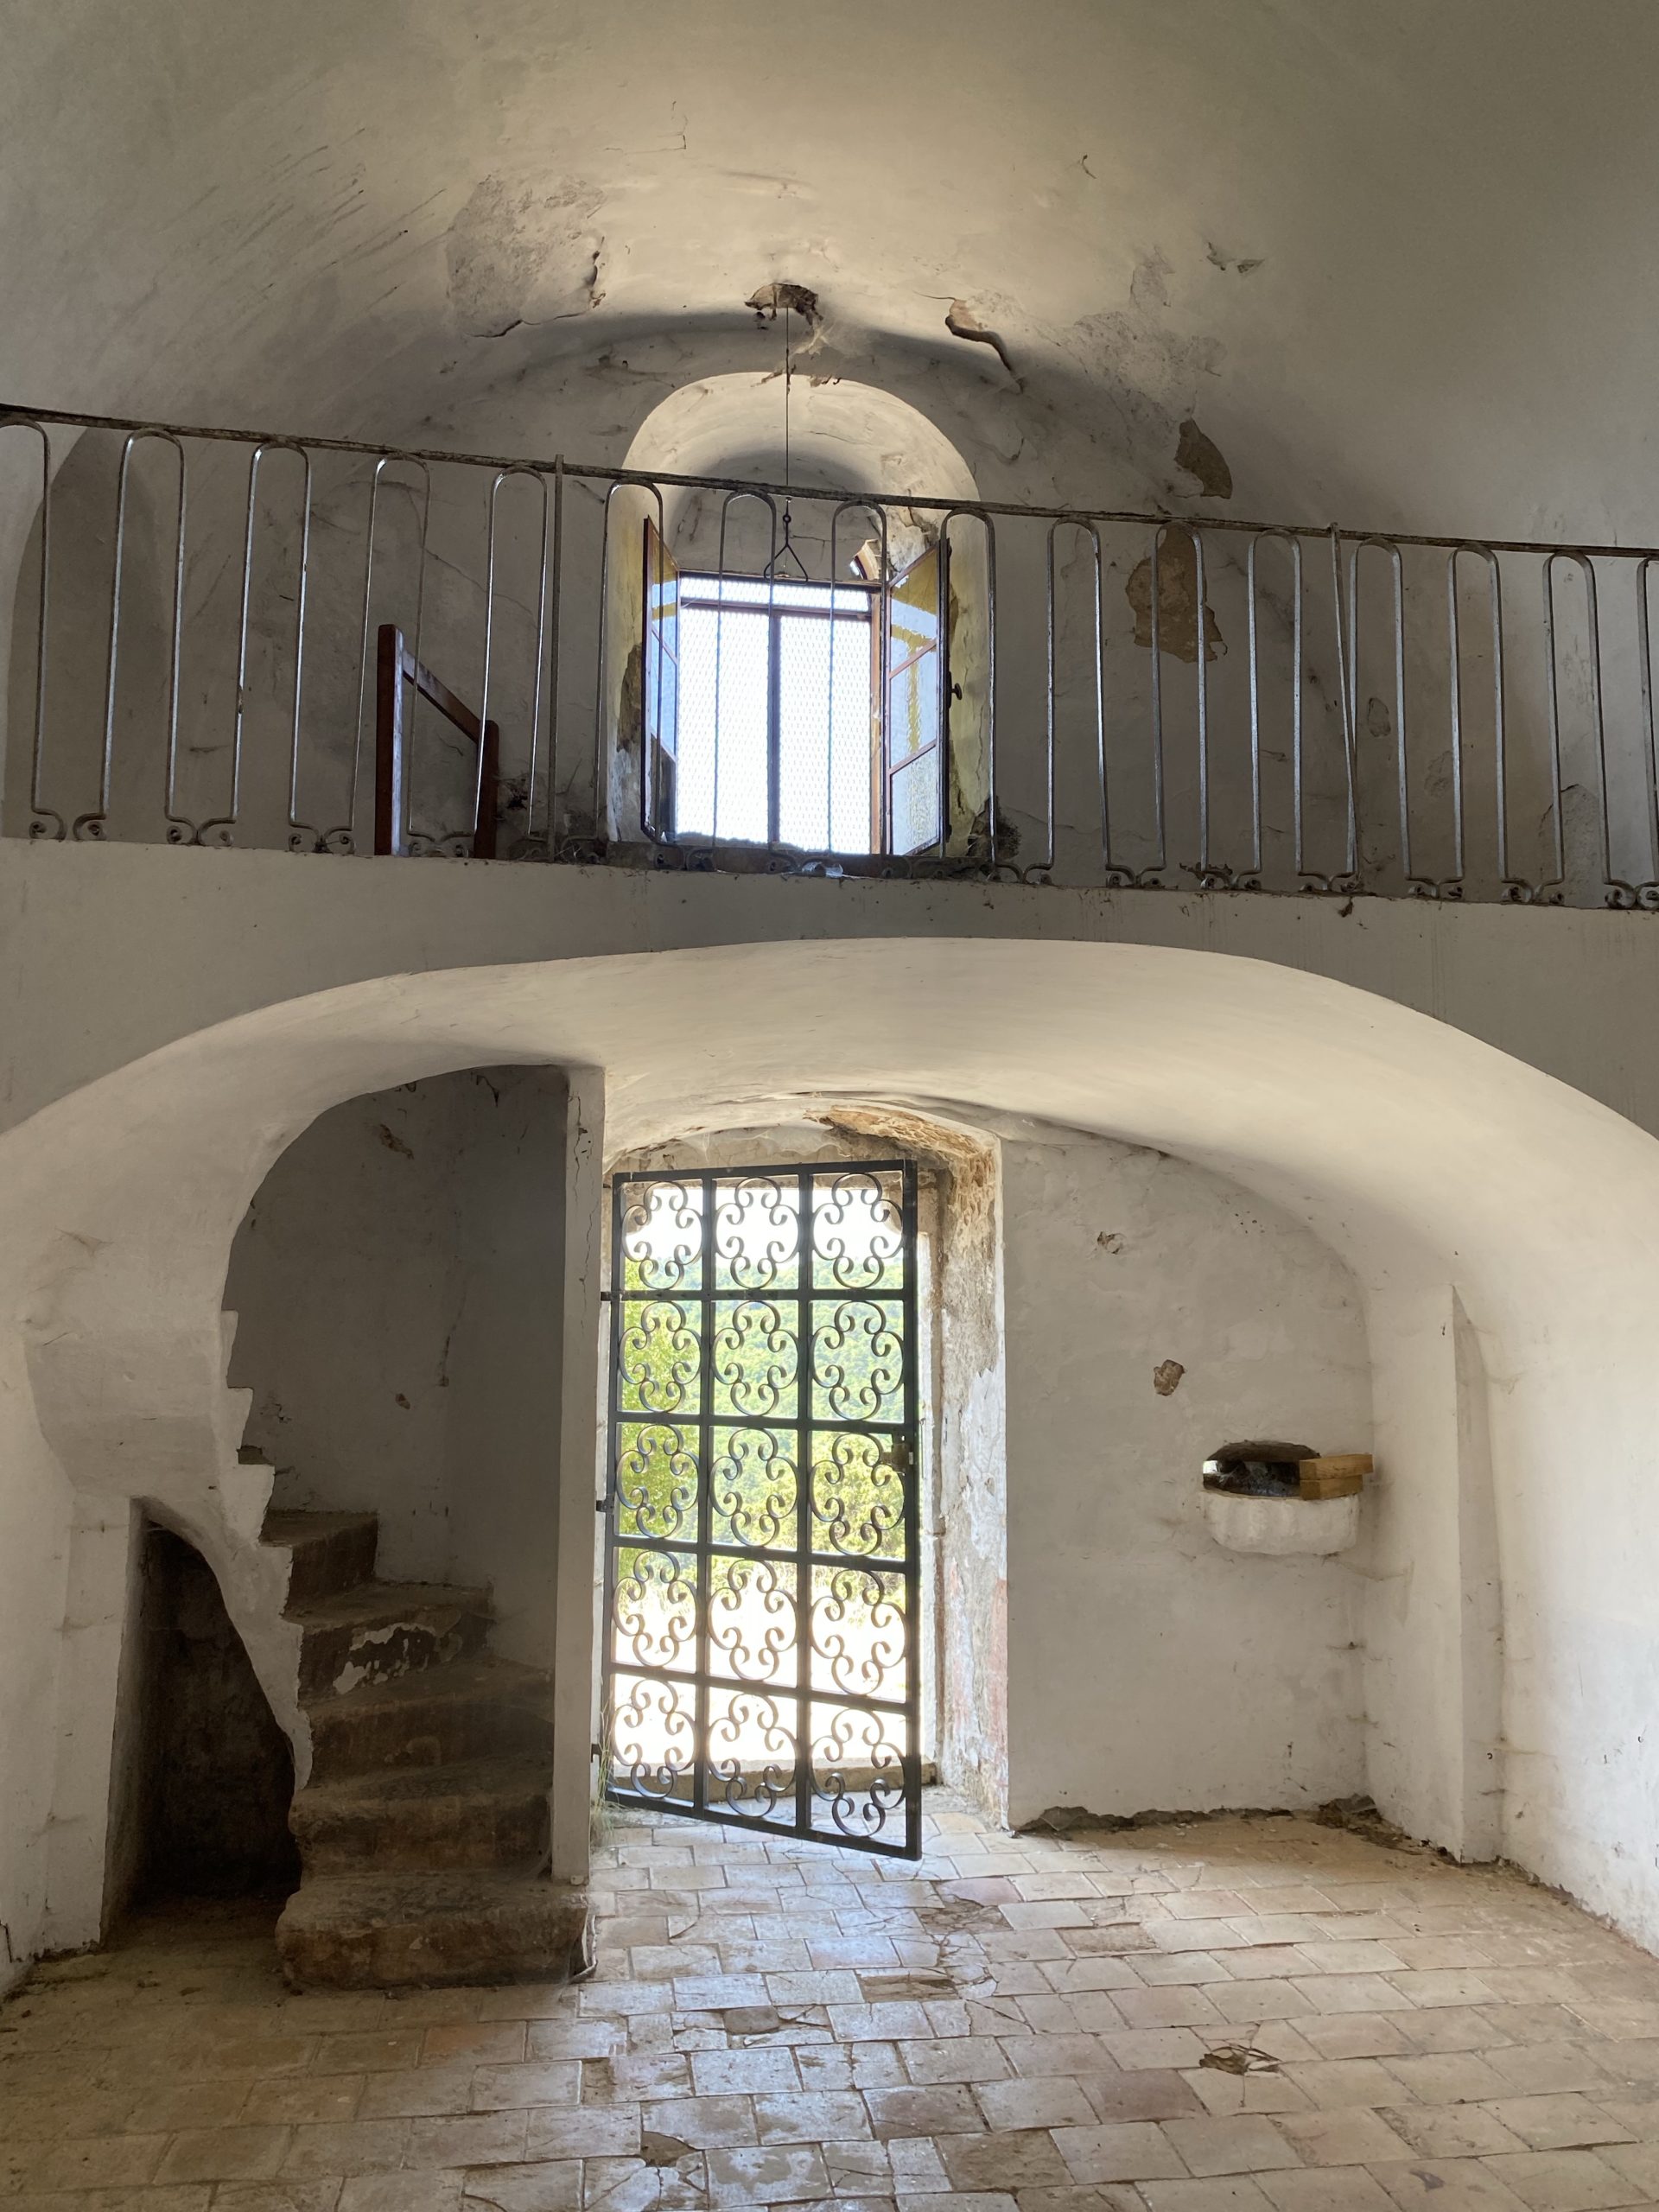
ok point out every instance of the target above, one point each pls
(423, 1830)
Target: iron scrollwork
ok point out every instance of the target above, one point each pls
(762, 1555)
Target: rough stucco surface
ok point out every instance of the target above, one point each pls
(1150, 1669)
(397, 1285)
(1420, 1153)
(518, 227)
(342, 1278)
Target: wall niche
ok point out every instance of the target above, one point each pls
(210, 1774)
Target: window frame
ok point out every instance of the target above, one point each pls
(874, 617)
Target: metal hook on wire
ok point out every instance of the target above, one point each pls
(785, 551)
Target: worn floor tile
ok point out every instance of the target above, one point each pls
(1239, 2016)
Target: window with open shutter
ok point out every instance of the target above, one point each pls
(913, 722)
(660, 747)
(800, 715)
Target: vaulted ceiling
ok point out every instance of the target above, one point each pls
(1393, 258)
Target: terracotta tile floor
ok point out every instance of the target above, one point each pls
(1229, 2016)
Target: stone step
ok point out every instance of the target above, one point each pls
(328, 1551)
(410, 1930)
(477, 1812)
(472, 1708)
(376, 1631)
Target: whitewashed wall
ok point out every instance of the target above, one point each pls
(1451, 1100)
(397, 1288)
(1147, 1668)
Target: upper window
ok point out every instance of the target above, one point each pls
(796, 714)
(778, 722)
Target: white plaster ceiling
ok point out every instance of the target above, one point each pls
(1393, 258)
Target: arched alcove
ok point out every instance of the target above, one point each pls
(1498, 1222)
(830, 439)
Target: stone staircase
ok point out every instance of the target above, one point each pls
(422, 1828)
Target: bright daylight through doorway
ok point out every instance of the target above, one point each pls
(761, 1584)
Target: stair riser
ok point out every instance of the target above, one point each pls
(347, 1655)
(343, 1742)
(452, 1832)
(540, 1943)
(321, 1566)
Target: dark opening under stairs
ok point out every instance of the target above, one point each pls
(422, 1829)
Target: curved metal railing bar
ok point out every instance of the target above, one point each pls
(732, 499)
(599, 472)
(542, 848)
(302, 836)
(879, 668)
(469, 837)
(1156, 625)
(1252, 585)
(1500, 740)
(344, 839)
(1581, 698)
(1098, 664)
(92, 825)
(948, 689)
(1648, 893)
(1582, 563)
(43, 820)
(602, 758)
(1390, 547)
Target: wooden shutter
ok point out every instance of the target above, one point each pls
(913, 717)
(659, 746)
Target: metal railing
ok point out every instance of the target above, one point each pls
(194, 620)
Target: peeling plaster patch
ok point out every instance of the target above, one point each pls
(963, 323)
(1243, 266)
(1166, 1377)
(1150, 286)
(1178, 596)
(773, 299)
(1150, 376)
(1202, 457)
(520, 256)
(392, 1141)
(769, 300)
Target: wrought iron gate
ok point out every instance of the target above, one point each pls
(761, 1651)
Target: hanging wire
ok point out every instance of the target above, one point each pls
(785, 551)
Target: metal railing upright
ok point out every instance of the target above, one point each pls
(196, 624)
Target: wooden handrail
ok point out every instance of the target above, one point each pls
(394, 667)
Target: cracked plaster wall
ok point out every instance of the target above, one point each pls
(1445, 1096)
(1137, 257)
(522, 229)
(1149, 1669)
(397, 1284)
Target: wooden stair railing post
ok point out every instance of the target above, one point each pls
(394, 668)
(388, 741)
(484, 836)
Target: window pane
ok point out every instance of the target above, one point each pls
(760, 591)
(723, 681)
(915, 790)
(825, 733)
(913, 709)
(914, 621)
